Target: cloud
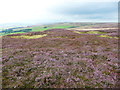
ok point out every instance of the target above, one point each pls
(92, 11)
(45, 11)
(85, 8)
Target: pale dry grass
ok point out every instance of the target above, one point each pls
(89, 29)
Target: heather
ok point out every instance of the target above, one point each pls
(60, 58)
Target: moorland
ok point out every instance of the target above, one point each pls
(62, 55)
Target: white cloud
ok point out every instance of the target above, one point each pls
(20, 10)
(35, 11)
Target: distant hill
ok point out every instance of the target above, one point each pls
(11, 25)
(7, 29)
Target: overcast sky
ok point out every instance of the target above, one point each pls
(47, 11)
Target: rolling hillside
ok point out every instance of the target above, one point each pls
(61, 56)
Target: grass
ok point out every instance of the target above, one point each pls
(60, 37)
(38, 28)
(106, 36)
(90, 32)
(3, 34)
(95, 32)
(79, 32)
(29, 37)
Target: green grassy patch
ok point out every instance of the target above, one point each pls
(33, 29)
(3, 34)
(38, 28)
(29, 37)
(90, 32)
(79, 32)
(60, 37)
(106, 36)
(95, 32)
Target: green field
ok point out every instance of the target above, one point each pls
(38, 28)
(33, 29)
(77, 26)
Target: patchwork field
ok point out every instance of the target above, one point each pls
(61, 57)
(68, 26)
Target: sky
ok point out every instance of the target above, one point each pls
(51, 11)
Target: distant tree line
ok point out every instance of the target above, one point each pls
(73, 26)
(12, 31)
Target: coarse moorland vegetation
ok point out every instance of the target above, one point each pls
(61, 56)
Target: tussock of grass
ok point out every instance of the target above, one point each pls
(90, 32)
(95, 32)
(29, 37)
(79, 32)
(60, 37)
(106, 36)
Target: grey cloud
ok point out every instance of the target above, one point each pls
(85, 8)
